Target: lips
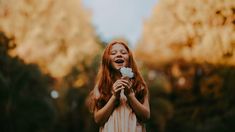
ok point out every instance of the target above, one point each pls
(119, 61)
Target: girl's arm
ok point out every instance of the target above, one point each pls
(142, 111)
(103, 114)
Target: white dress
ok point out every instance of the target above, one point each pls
(123, 119)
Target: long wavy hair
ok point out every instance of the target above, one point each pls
(106, 78)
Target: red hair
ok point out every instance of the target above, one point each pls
(105, 77)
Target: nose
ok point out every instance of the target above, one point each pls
(119, 54)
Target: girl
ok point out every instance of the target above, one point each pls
(111, 111)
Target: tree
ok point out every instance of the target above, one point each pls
(57, 35)
(25, 103)
(192, 43)
(199, 31)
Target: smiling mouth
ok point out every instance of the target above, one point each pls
(119, 61)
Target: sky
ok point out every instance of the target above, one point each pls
(120, 18)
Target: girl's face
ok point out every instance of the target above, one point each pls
(119, 56)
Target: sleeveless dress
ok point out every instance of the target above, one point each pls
(123, 119)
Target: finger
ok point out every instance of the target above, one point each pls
(127, 84)
(120, 83)
(117, 86)
(131, 84)
(117, 82)
(116, 90)
(124, 82)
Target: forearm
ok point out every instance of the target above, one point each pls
(103, 114)
(142, 111)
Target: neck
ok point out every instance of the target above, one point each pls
(116, 74)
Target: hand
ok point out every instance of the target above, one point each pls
(117, 87)
(127, 83)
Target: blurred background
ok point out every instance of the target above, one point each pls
(50, 52)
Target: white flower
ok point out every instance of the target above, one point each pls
(126, 72)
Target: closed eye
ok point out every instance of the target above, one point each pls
(124, 52)
(113, 52)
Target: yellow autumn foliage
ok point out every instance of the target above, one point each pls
(55, 34)
(194, 30)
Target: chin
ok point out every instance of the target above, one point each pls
(118, 67)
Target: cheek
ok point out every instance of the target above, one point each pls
(111, 60)
(127, 59)
(111, 57)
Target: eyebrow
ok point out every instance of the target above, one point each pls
(120, 50)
